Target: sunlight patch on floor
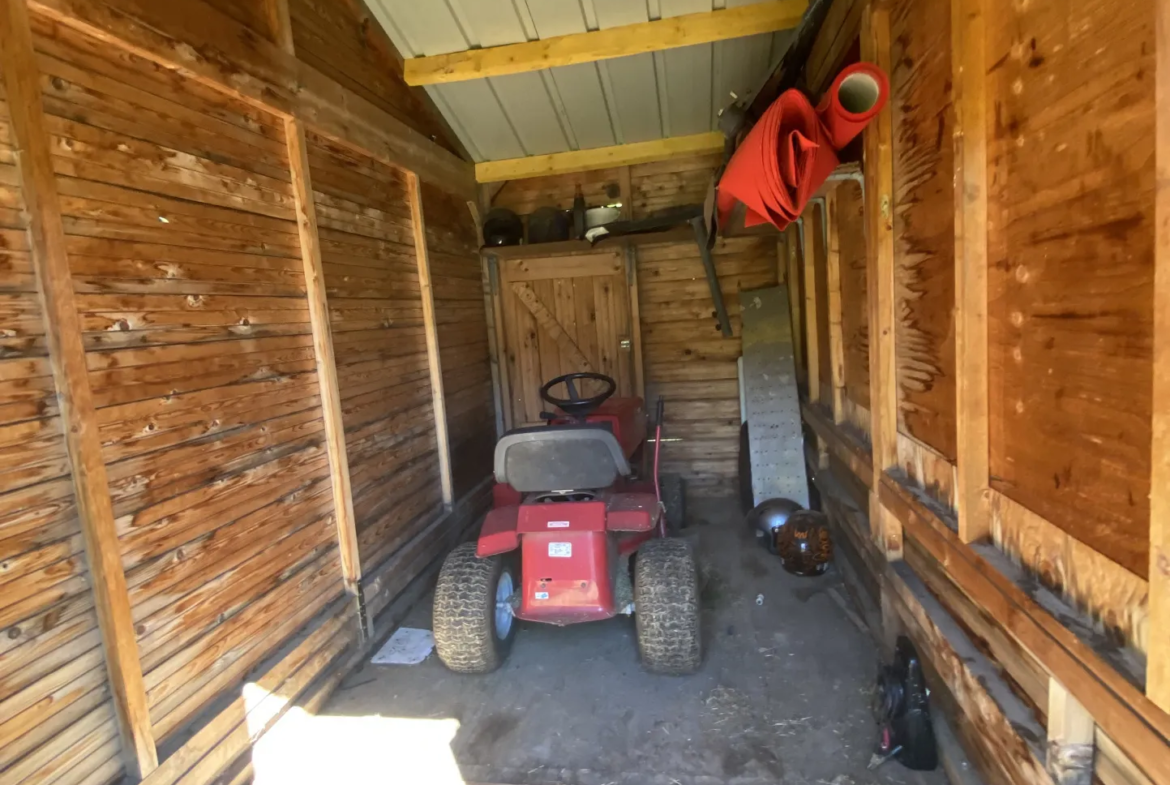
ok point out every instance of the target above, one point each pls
(368, 750)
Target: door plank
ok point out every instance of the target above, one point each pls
(550, 325)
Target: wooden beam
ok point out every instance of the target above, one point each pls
(1071, 733)
(1158, 656)
(95, 513)
(836, 336)
(793, 266)
(635, 320)
(971, 366)
(654, 36)
(879, 241)
(430, 328)
(200, 42)
(548, 322)
(807, 232)
(599, 157)
(318, 302)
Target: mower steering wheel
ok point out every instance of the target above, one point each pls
(575, 405)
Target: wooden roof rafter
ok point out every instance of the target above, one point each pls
(594, 45)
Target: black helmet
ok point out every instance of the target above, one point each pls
(502, 227)
(804, 543)
(767, 518)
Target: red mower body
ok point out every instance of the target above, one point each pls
(573, 542)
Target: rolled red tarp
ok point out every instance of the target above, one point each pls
(791, 151)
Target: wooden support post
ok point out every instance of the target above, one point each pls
(971, 368)
(419, 226)
(635, 321)
(347, 542)
(95, 513)
(836, 336)
(302, 181)
(487, 263)
(626, 185)
(1158, 655)
(1071, 732)
(793, 266)
(807, 231)
(494, 274)
(879, 239)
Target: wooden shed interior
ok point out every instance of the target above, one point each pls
(254, 359)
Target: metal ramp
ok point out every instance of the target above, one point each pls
(771, 399)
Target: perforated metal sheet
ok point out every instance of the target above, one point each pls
(771, 398)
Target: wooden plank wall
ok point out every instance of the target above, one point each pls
(1071, 282)
(371, 280)
(463, 342)
(178, 214)
(185, 262)
(1035, 619)
(53, 682)
(687, 359)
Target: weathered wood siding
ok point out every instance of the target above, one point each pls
(56, 717)
(187, 268)
(854, 292)
(463, 338)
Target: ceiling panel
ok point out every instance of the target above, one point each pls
(627, 99)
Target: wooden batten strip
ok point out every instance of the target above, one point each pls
(347, 542)
(653, 36)
(813, 349)
(1158, 656)
(879, 237)
(836, 337)
(418, 224)
(971, 371)
(67, 358)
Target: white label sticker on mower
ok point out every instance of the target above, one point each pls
(558, 524)
(560, 550)
(542, 595)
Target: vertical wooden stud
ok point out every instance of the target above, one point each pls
(879, 239)
(1158, 656)
(836, 336)
(279, 21)
(30, 140)
(487, 263)
(1071, 733)
(971, 381)
(419, 226)
(347, 542)
(626, 187)
(793, 265)
(807, 229)
(496, 277)
(635, 320)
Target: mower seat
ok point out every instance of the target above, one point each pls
(576, 456)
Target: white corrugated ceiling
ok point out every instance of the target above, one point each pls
(628, 99)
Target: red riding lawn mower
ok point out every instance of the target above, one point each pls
(574, 535)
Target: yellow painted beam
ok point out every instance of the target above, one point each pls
(598, 157)
(702, 28)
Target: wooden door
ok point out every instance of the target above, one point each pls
(565, 314)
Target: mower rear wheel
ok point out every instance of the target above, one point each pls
(674, 497)
(666, 607)
(473, 622)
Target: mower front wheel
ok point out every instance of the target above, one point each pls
(666, 607)
(473, 623)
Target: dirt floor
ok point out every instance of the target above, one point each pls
(783, 695)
